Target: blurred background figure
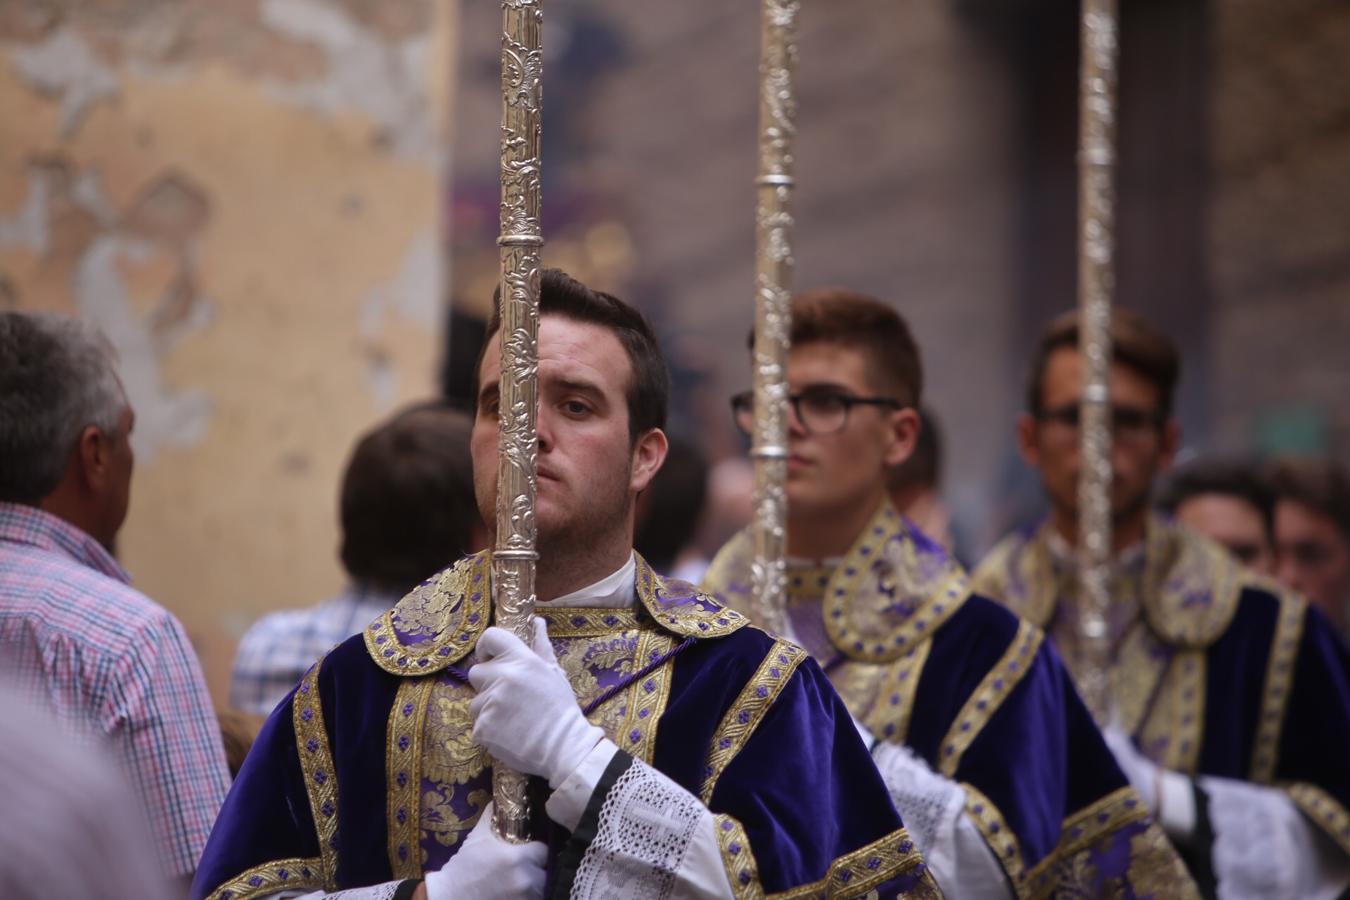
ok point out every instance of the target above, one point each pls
(1226, 500)
(74, 633)
(1312, 533)
(407, 511)
(670, 511)
(914, 484)
(69, 826)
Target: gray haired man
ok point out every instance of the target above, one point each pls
(73, 632)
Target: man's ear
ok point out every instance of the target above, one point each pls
(649, 453)
(92, 459)
(1026, 440)
(904, 427)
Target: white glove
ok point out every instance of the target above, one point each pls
(488, 867)
(525, 713)
(1167, 793)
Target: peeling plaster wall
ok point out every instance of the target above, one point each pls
(245, 195)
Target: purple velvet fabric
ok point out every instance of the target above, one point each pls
(804, 787)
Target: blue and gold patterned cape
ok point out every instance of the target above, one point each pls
(984, 700)
(368, 773)
(1223, 673)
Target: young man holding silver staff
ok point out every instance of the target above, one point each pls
(653, 718)
(989, 754)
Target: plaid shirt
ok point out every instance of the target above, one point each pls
(276, 652)
(111, 661)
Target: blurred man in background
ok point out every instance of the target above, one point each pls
(1312, 533)
(1231, 702)
(1228, 501)
(407, 511)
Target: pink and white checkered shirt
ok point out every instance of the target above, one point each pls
(110, 661)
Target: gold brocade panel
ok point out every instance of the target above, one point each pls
(435, 768)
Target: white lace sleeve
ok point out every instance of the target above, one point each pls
(654, 840)
(1265, 848)
(934, 812)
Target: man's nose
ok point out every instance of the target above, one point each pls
(544, 431)
(794, 423)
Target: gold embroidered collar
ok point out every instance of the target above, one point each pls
(1190, 585)
(439, 622)
(891, 591)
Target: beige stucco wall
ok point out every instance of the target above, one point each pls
(246, 196)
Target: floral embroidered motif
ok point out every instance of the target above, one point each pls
(891, 591)
(439, 622)
(1279, 683)
(744, 715)
(1000, 838)
(436, 624)
(1006, 674)
(737, 858)
(316, 763)
(271, 878)
(1079, 832)
(1324, 809)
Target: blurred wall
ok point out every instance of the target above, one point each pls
(245, 195)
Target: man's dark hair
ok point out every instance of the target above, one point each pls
(1134, 343)
(851, 319)
(560, 294)
(672, 505)
(407, 506)
(1229, 478)
(1321, 483)
(923, 468)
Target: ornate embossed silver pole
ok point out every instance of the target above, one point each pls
(1096, 287)
(514, 557)
(773, 310)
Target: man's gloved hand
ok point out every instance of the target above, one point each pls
(487, 867)
(525, 713)
(1169, 794)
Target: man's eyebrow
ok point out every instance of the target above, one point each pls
(589, 388)
(826, 386)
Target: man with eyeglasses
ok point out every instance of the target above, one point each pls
(1231, 698)
(989, 754)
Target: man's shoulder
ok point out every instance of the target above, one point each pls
(69, 598)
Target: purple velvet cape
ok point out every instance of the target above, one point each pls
(1056, 809)
(1276, 683)
(803, 787)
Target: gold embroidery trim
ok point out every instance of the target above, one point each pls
(316, 762)
(1135, 674)
(750, 707)
(403, 769)
(737, 858)
(585, 622)
(989, 695)
(271, 878)
(687, 620)
(1171, 735)
(453, 610)
(1000, 838)
(647, 696)
(894, 703)
(1279, 682)
(1085, 827)
(842, 595)
(855, 873)
(1325, 810)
